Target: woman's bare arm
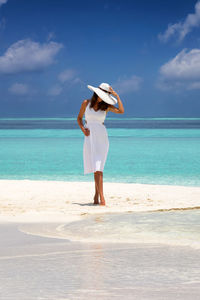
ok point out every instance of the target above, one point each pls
(80, 117)
(117, 110)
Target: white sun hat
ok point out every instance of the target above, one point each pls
(103, 91)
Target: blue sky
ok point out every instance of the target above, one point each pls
(148, 51)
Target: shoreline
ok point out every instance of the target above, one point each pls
(68, 201)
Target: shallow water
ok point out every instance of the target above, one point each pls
(36, 268)
(180, 227)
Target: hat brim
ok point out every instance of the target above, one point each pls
(108, 98)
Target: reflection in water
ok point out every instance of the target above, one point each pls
(92, 265)
(99, 219)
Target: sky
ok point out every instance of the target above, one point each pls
(148, 51)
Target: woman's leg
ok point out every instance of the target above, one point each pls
(96, 196)
(99, 180)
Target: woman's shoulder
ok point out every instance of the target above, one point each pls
(85, 102)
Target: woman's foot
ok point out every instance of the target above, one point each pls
(96, 200)
(102, 201)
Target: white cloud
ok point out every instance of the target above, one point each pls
(183, 65)
(128, 85)
(3, 2)
(69, 76)
(56, 90)
(20, 89)
(66, 75)
(181, 29)
(194, 85)
(26, 55)
(77, 80)
(183, 71)
(51, 36)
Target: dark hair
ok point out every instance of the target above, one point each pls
(101, 105)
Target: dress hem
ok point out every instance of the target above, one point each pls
(92, 171)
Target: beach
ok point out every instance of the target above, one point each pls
(37, 218)
(55, 201)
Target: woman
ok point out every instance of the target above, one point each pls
(96, 143)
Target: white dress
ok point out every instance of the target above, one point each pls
(96, 144)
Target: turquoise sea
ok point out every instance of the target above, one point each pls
(142, 150)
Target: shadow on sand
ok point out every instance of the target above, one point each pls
(86, 204)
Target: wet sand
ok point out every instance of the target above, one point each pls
(33, 267)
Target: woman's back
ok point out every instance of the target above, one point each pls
(94, 116)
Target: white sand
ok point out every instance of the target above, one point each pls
(61, 201)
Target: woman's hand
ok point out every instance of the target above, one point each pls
(113, 92)
(86, 131)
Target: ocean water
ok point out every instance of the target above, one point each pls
(142, 150)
